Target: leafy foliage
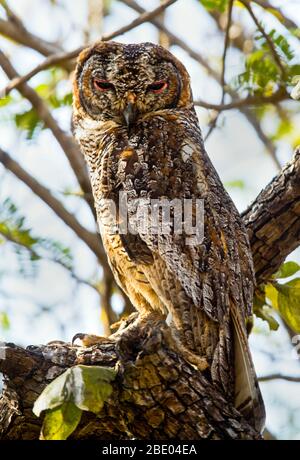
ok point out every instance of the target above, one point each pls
(28, 247)
(29, 122)
(80, 388)
(284, 298)
(211, 5)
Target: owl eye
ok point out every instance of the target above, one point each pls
(158, 86)
(102, 85)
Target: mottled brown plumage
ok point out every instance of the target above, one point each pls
(137, 127)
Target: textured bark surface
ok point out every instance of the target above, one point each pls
(273, 220)
(157, 394)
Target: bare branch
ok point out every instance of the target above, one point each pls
(14, 29)
(175, 40)
(92, 240)
(279, 96)
(288, 22)
(226, 44)
(288, 378)
(66, 141)
(22, 36)
(271, 149)
(62, 57)
(273, 221)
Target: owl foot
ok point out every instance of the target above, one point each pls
(88, 340)
(174, 342)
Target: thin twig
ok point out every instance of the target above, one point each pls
(226, 44)
(11, 238)
(279, 96)
(62, 57)
(289, 378)
(288, 22)
(267, 38)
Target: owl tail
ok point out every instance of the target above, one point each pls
(248, 398)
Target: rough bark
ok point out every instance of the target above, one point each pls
(156, 395)
(273, 220)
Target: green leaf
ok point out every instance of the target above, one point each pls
(59, 423)
(264, 314)
(219, 5)
(4, 320)
(235, 184)
(28, 247)
(287, 269)
(289, 303)
(86, 387)
(78, 388)
(272, 295)
(94, 387)
(55, 394)
(262, 311)
(5, 100)
(29, 122)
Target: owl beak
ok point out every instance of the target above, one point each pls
(129, 114)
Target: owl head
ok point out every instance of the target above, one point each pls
(122, 83)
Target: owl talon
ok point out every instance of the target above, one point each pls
(88, 340)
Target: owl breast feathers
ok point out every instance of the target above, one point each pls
(135, 122)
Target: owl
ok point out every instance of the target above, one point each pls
(134, 119)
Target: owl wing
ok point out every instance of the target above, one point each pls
(215, 274)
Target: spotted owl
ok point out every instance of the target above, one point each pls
(134, 119)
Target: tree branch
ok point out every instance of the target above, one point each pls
(273, 220)
(288, 378)
(62, 57)
(157, 395)
(214, 121)
(279, 96)
(92, 240)
(174, 40)
(289, 23)
(66, 141)
(36, 256)
(14, 29)
(266, 36)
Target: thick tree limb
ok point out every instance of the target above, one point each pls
(157, 395)
(273, 220)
